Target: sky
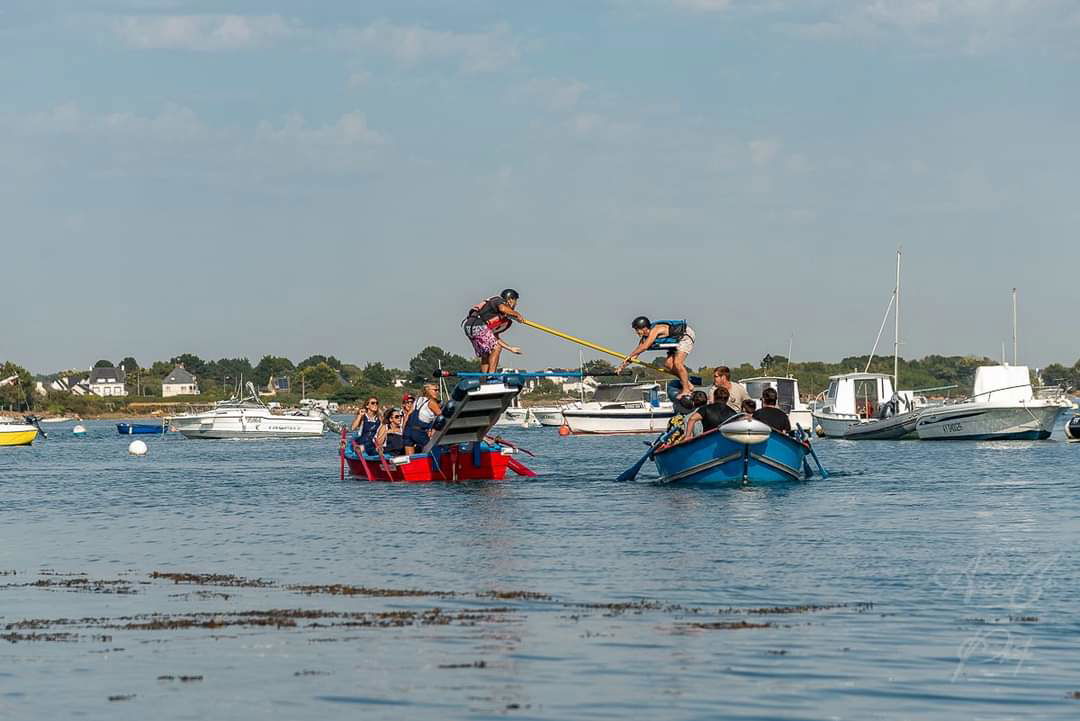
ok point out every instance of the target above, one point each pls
(347, 178)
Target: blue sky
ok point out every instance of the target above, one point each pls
(347, 178)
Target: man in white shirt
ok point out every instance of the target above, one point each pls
(736, 391)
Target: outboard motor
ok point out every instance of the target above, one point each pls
(1072, 429)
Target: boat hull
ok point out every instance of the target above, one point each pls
(894, 428)
(1072, 429)
(466, 462)
(549, 416)
(982, 422)
(713, 460)
(135, 429)
(617, 421)
(17, 435)
(218, 426)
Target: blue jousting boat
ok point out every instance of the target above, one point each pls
(739, 452)
(131, 429)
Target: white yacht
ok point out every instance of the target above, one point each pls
(787, 394)
(247, 417)
(548, 415)
(1003, 406)
(621, 408)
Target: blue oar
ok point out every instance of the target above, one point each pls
(631, 473)
(824, 473)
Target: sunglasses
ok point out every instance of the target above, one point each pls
(373, 403)
(396, 415)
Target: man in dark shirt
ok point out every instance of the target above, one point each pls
(711, 415)
(770, 415)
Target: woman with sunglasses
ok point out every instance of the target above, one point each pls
(367, 424)
(389, 441)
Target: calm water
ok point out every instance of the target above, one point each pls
(942, 580)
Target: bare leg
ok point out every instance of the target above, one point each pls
(678, 364)
(493, 362)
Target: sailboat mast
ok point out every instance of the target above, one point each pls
(1014, 327)
(896, 337)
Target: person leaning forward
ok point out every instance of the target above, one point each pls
(736, 391)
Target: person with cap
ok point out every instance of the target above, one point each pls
(673, 335)
(486, 322)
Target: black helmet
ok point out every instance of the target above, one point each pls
(509, 294)
(641, 322)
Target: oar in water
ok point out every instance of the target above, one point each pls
(520, 468)
(821, 469)
(631, 473)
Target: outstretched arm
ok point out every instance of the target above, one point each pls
(505, 346)
(643, 346)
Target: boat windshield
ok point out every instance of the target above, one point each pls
(620, 393)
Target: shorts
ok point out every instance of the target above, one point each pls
(686, 343)
(482, 339)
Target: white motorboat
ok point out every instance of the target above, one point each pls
(548, 415)
(788, 398)
(16, 433)
(1003, 406)
(867, 406)
(621, 408)
(248, 417)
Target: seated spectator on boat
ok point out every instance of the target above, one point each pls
(419, 423)
(711, 415)
(366, 424)
(770, 415)
(736, 391)
(389, 441)
(749, 406)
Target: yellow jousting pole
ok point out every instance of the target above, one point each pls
(595, 347)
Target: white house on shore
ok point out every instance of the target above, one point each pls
(107, 382)
(179, 383)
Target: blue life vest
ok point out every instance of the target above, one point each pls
(415, 431)
(676, 331)
(365, 435)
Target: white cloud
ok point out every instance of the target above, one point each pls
(551, 93)
(350, 129)
(703, 5)
(412, 44)
(763, 151)
(201, 32)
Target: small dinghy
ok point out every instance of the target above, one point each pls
(1072, 429)
(457, 451)
(740, 452)
(134, 429)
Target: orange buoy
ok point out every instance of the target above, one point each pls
(564, 430)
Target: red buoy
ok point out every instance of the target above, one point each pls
(564, 430)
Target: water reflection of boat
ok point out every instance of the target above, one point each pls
(620, 408)
(247, 417)
(739, 452)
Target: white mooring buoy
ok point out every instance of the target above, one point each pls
(137, 448)
(79, 430)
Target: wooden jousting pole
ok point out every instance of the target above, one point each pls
(593, 346)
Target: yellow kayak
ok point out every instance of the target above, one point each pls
(17, 434)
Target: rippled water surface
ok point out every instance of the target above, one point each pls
(921, 581)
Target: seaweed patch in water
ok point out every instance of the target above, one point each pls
(474, 664)
(212, 579)
(338, 589)
(725, 625)
(82, 583)
(122, 697)
(59, 636)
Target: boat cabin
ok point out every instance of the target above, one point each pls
(857, 394)
(787, 391)
(1002, 384)
(618, 395)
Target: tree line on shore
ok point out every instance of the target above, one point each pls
(327, 377)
